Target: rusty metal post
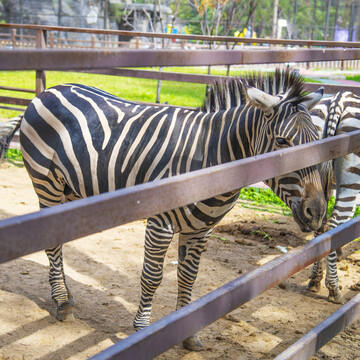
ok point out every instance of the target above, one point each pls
(51, 40)
(13, 38)
(40, 74)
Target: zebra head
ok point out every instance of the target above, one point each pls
(277, 116)
(288, 123)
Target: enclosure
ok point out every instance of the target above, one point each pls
(97, 324)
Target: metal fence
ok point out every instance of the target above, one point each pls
(50, 227)
(109, 61)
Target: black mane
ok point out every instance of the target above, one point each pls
(229, 92)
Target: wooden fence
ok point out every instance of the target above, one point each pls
(51, 227)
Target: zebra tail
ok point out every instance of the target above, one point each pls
(326, 170)
(7, 131)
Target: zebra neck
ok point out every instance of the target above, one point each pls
(230, 134)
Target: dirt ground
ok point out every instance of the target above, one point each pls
(103, 272)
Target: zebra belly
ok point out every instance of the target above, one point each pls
(202, 214)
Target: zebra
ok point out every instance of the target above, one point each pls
(333, 115)
(78, 141)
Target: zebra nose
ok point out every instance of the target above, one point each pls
(314, 211)
(309, 212)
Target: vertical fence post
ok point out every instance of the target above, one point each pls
(13, 38)
(51, 40)
(93, 41)
(40, 74)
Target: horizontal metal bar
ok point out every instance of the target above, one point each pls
(60, 59)
(314, 340)
(12, 108)
(157, 75)
(332, 89)
(14, 100)
(172, 329)
(230, 39)
(59, 224)
(203, 79)
(16, 89)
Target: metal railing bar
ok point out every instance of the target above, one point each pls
(15, 100)
(16, 89)
(332, 89)
(230, 39)
(203, 79)
(157, 75)
(320, 335)
(172, 329)
(60, 59)
(59, 224)
(12, 108)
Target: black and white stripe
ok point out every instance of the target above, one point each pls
(333, 116)
(78, 141)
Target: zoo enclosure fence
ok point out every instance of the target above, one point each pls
(48, 228)
(271, 52)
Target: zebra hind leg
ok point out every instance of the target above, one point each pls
(191, 247)
(59, 290)
(158, 236)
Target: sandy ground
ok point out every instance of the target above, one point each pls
(103, 272)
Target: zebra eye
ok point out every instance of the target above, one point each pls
(281, 141)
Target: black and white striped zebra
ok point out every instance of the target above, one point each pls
(333, 115)
(78, 141)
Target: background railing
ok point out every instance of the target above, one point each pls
(53, 54)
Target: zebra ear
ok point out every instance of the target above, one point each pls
(313, 98)
(261, 99)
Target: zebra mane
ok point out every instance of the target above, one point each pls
(229, 92)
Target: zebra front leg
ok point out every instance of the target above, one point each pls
(191, 247)
(158, 237)
(332, 279)
(316, 276)
(317, 269)
(59, 291)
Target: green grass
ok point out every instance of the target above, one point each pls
(266, 200)
(14, 157)
(353, 77)
(263, 200)
(176, 93)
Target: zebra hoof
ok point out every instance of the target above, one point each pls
(335, 297)
(313, 286)
(339, 254)
(65, 312)
(193, 343)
